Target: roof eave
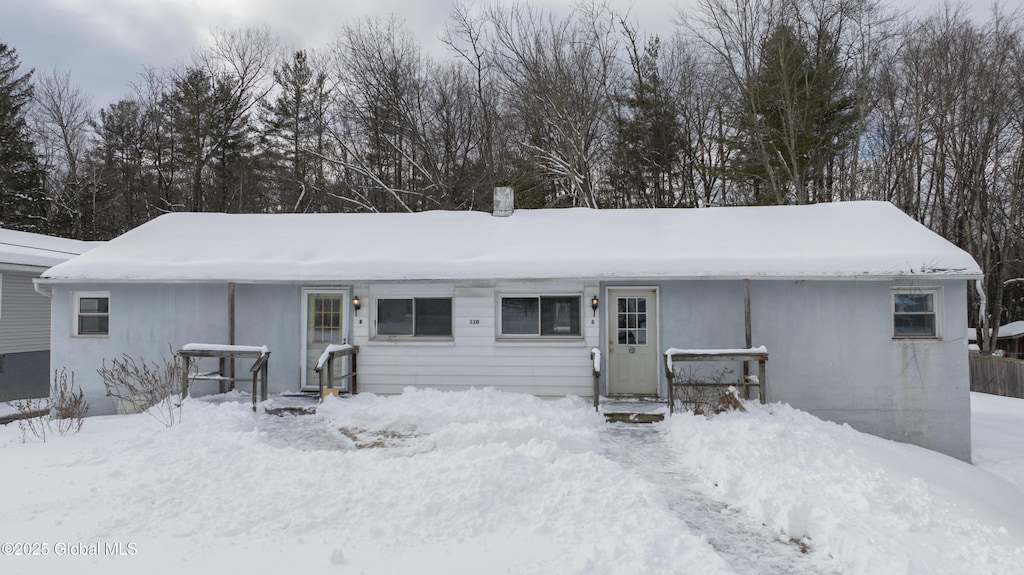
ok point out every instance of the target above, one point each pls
(4, 266)
(952, 276)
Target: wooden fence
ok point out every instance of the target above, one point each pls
(997, 375)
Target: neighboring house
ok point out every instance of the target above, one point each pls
(24, 313)
(458, 299)
(1009, 339)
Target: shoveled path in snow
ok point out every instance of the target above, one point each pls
(645, 450)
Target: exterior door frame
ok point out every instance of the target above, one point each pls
(607, 327)
(346, 315)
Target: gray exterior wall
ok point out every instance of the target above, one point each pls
(24, 314)
(831, 352)
(24, 375)
(147, 321)
(151, 320)
(268, 315)
(830, 344)
(24, 337)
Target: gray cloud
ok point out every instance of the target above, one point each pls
(106, 44)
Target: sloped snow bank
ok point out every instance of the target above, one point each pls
(876, 506)
(997, 435)
(424, 482)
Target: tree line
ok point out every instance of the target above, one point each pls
(748, 102)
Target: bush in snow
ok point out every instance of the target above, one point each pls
(708, 395)
(139, 386)
(67, 407)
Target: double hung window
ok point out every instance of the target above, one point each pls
(915, 313)
(91, 313)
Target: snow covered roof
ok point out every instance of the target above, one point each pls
(1012, 329)
(37, 250)
(838, 240)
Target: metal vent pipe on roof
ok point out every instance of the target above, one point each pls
(504, 199)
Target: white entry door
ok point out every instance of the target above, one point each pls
(632, 342)
(324, 322)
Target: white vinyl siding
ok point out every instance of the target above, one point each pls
(475, 356)
(24, 314)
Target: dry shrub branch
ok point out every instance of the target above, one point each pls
(140, 386)
(704, 399)
(64, 414)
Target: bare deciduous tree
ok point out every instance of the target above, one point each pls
(63, 115)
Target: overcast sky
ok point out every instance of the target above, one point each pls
(106, 43)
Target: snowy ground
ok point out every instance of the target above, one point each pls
(488, 482)
(9, 409)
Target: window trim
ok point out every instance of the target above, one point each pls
(500, 335)
(76, 303)
(412, 337)
(936, 293)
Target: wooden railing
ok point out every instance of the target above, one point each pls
(595, 357)
(325, 367)
(194, 351)
(996, 375)
(758, 354)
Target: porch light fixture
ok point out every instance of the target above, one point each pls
(593, 305)
(356, 303)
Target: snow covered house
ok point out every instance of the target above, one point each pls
(458, 299)
(24, 313)
(1009, 340)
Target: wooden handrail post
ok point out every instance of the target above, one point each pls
(747, 333)
(184, 376)
(320, 380)
(221, 385)
(231, 332)
(254, 375)
(669, 372)
(762, 382)
(263, 381)
(355, 372)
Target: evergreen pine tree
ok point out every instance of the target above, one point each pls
(293, 124)
(795, 118)
(648, 143)
(22, 200)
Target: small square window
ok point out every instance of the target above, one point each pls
(915, 313)
(92, 314)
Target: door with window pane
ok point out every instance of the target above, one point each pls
(632, 342)
(324, 323)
